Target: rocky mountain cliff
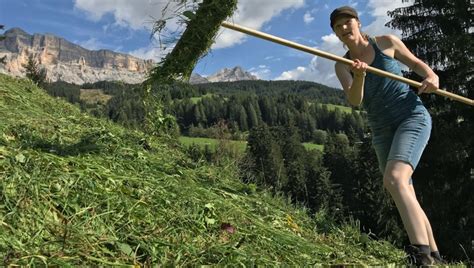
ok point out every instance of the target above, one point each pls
(224, 75)
(67, 61)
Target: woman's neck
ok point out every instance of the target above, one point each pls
(358, 47)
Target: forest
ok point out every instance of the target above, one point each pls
(243, 105)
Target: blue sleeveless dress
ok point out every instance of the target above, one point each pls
(400, 123)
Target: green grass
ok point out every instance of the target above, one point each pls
(197, 99)
(313, 146)
(332, 107)
(241, 145)
(94, 96)
(212, 143)
(77, 190)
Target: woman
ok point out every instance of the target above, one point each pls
(400, 123)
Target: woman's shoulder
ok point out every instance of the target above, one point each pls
(387, 37)
(346, 56)
(339, 66)
(386, 41)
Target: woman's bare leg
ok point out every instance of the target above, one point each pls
(431, 239)
(396, 181)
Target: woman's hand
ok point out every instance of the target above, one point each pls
(358, 68)
(429, 85)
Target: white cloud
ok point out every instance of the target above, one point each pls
(299, 73)
(92, 44)
(146, 53)
(140, 14)
(261, 72)
(308, 18)
(322, 70)
(137, 14)
(379, 9)
(153, 52)
(253, 14)
(133, 15)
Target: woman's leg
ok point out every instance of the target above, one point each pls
(431, 239)
(396, 180)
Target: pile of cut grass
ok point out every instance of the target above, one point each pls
(76, 190)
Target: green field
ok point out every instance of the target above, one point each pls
(212, 143)
(332, 107)
(312, 146)
(241, 145)
(197, 99)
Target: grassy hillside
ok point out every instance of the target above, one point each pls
(78, 190)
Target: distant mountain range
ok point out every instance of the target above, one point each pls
(69, 62)
(224, 75)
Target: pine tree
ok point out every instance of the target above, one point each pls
(2, 37)
(322, 193)
(339, 158)
(252, 116)
(294, 159)
(243, 119)
(372, 205)
(267, 158)
(440, 33)
(34, 72)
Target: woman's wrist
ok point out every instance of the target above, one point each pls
(431, 75)
(360, 75)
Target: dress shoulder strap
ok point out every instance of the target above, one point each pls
(374, 44)
(372, 41)
(347, 56)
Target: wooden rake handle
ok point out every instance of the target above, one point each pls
(333, 57)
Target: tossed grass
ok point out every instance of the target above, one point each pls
(77, 190)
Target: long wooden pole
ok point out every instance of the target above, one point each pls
(333, 57)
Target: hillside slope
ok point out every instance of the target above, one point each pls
(79, 190)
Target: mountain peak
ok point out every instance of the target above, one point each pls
(16, 31)
(231, 74)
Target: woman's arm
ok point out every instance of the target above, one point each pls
(430, 80)
(353, 86)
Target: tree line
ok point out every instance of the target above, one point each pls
(243, 105)
(244, 112)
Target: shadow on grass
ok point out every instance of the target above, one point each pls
(87, 144)
(84, 146)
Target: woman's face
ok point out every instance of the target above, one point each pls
(346, 28)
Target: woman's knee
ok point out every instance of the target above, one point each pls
(397, 177)
(395, 184)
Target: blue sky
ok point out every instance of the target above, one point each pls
(124, 26)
